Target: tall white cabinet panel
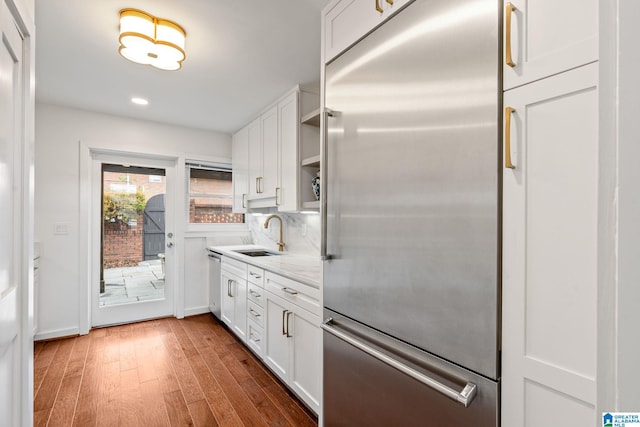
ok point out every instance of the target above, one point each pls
(288, 129)
(240, 161)
(547, 37)
(550, 242)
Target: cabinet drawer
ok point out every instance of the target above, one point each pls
(255, 313)
(256, 294)
(235, 267)
(298, 293)
(255, 275)
(254, 337)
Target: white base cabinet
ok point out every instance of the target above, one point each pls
(293, 346)
(233, 287)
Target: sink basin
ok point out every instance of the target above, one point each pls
(256, 252)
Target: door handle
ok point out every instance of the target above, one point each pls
(229, 282)
(507, 42)
(378, 8)
(170, 244)
(323, 190)
(464, 397)
(284, 313)
(277, 192)
(507, 137)
(287, 322)
(244, 199)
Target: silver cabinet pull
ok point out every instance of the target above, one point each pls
(464, 397)
(290, 291)
(229, 282)
(287, 322)
(254, 313)
(254, 293)
(254, 339)
(256, 275)
(284, 313)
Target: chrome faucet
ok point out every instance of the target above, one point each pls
(266, 225)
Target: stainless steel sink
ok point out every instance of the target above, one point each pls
(255, 252)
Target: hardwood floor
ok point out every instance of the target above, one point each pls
(165, 372)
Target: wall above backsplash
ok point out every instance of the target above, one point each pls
(301, 232)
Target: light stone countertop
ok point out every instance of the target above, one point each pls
(301, 268)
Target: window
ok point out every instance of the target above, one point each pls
(211, 195)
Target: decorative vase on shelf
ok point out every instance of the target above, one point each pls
(315, 184)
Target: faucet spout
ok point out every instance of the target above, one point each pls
(266, 225)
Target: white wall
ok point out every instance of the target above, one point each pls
(628, 295)
(59, 131)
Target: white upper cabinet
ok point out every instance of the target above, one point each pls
(288, 127)
(274, 143)
(240, 160)
(346, 21)
(547, 37)
(263, 155)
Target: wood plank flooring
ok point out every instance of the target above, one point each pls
(165, 372)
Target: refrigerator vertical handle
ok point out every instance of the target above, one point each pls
(464, 397)
(323, 189)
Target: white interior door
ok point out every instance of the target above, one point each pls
(12, 282)
(132, 238)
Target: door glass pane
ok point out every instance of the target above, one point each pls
(133, 234)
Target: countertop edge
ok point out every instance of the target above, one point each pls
(228, 251)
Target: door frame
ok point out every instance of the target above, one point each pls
(91, 159)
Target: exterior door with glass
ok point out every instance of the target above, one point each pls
(133, 238)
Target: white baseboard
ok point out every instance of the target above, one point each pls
(196, 310)
(59, 333)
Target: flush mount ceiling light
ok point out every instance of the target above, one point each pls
(153, 41)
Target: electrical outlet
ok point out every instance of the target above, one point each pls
(61, 228)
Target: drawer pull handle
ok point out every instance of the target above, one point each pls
(254, 313)
(378, 8)
(254, 339)
(254, 293)
(256, 275)
(290, 291)
(507, 48)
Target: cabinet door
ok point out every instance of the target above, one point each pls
(227, 305)
(548, 37)
(239, 293)
(349, 20)
(277, 348)
(288, 125)
(550, 237)
(240, 161)
(306, 363)
(255, 157)
(269, 181)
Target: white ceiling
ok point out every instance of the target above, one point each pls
(241, 56)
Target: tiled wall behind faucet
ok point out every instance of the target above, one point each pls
(301, 232)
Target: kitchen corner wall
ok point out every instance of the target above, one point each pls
(301, 232)
(57, 195)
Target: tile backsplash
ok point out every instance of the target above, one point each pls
(301, 232)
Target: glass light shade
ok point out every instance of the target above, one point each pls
(148, 40)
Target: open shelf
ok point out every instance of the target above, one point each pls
(311, 205)
(311, 161)
(313, 118)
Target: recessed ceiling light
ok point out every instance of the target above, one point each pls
(139, 101)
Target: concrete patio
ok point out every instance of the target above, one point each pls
(126, 285)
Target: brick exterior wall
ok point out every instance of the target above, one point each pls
(122, 244)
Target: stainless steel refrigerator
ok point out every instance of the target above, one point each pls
(411, 276)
